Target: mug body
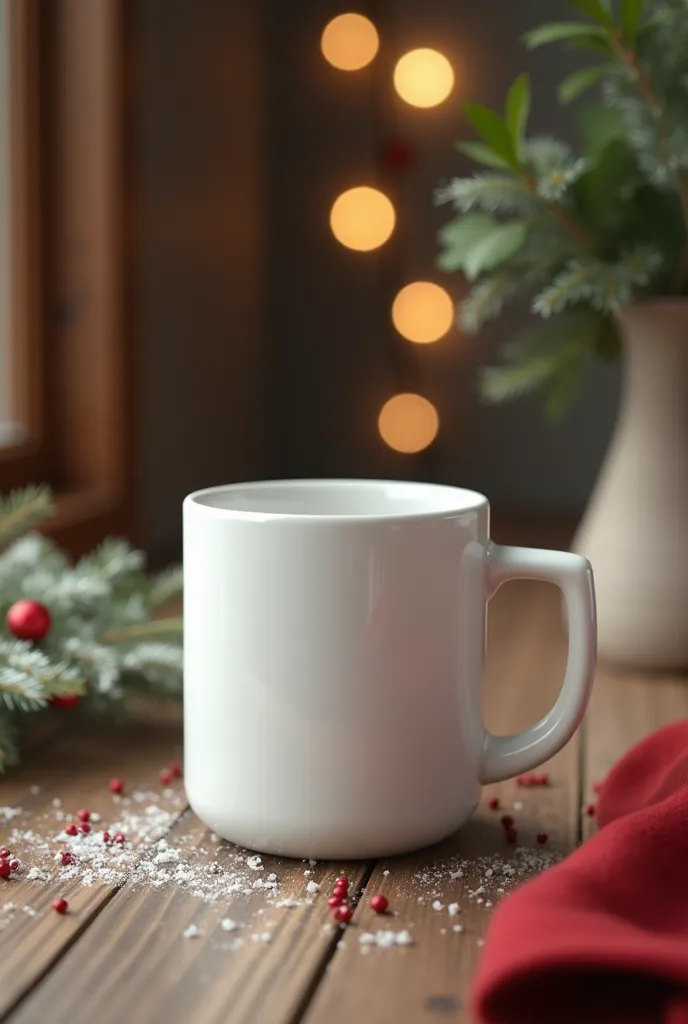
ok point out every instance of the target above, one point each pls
(334, 636)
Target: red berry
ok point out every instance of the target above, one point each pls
(341, 894)
(83, 814)
(119, 837)
(166, 776)
(84, 828)
(176, 769)
(379, 903)
(15, 865)
(591, 810)
(597, 787)
(66, 857)
(511, 835)
(542, 838)
(71, 830)
(524, 780)
(507, 821)
(66, 702)
(342, 883)
(335, 901)
(5, 852)
(5, 869)
(116, 785)
(342, 914)
(106, 837)
(28, 620)
(493, 803)
(60, 905)
(542, 779)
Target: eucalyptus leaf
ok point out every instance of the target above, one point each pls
(631, 13)
(517, 111)
(460, 235)
(493, 130)
(577, 83)
(499, 245)
(563, 30)
(481, 153)
(594, 9)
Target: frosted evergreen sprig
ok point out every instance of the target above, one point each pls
(22, 510)
(492, 193)
(104, 640)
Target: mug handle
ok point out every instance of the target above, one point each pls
(503, 757)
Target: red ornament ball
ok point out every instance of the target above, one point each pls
(342, 914)
(65, 702)
(5, 869)
(379, 903)
(60, 905)
(29, 620)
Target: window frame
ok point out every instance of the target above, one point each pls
(72, 360)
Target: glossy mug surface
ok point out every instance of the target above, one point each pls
(334, 636)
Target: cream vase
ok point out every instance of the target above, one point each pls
(635, 529)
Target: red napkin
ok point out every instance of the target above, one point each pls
(602, 938)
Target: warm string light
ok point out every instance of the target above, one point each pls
(423, 78)
(349, 42)
(362, 218)
(422, 312)
(408, 423)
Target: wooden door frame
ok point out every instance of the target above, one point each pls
(75, 372)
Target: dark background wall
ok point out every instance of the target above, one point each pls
(266, 345)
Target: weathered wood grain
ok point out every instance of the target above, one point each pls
(431, 979)
(76, 769)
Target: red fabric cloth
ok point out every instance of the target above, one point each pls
(602, 938)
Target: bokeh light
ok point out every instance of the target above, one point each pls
(408, 423)
(362, 218)
(349, 42)
(423, 77)
(422, 312)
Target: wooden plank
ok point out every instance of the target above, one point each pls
(134, 962)
(76, 769)
(432, 977)
(625, 707)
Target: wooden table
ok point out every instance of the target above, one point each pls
(120, 955)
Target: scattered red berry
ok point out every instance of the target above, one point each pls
(60, 905)
(166, 776)
(176, 769)
(493, 803)
(66, 857)
(542, 779)
(379, 903)
(524, 780)
(84, 828)
(342, 883)
(116, 786)
(106, 837)
(335, 901)
(5, 852)
(66, 702)
(342, 914)
(341, 891)
(507, 821)
(511, 835)
(15, 864)
(597, 787)
(5, 869)
(83, 814)
(542, 838)
(591, 810)
(119, 837)
(71, 830)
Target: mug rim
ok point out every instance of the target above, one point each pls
(450, 501)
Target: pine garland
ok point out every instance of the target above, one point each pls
(102, 643)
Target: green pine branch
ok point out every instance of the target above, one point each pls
(21, 510)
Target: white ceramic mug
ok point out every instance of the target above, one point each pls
(334, 636)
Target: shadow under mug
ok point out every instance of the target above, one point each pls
(334, 641)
